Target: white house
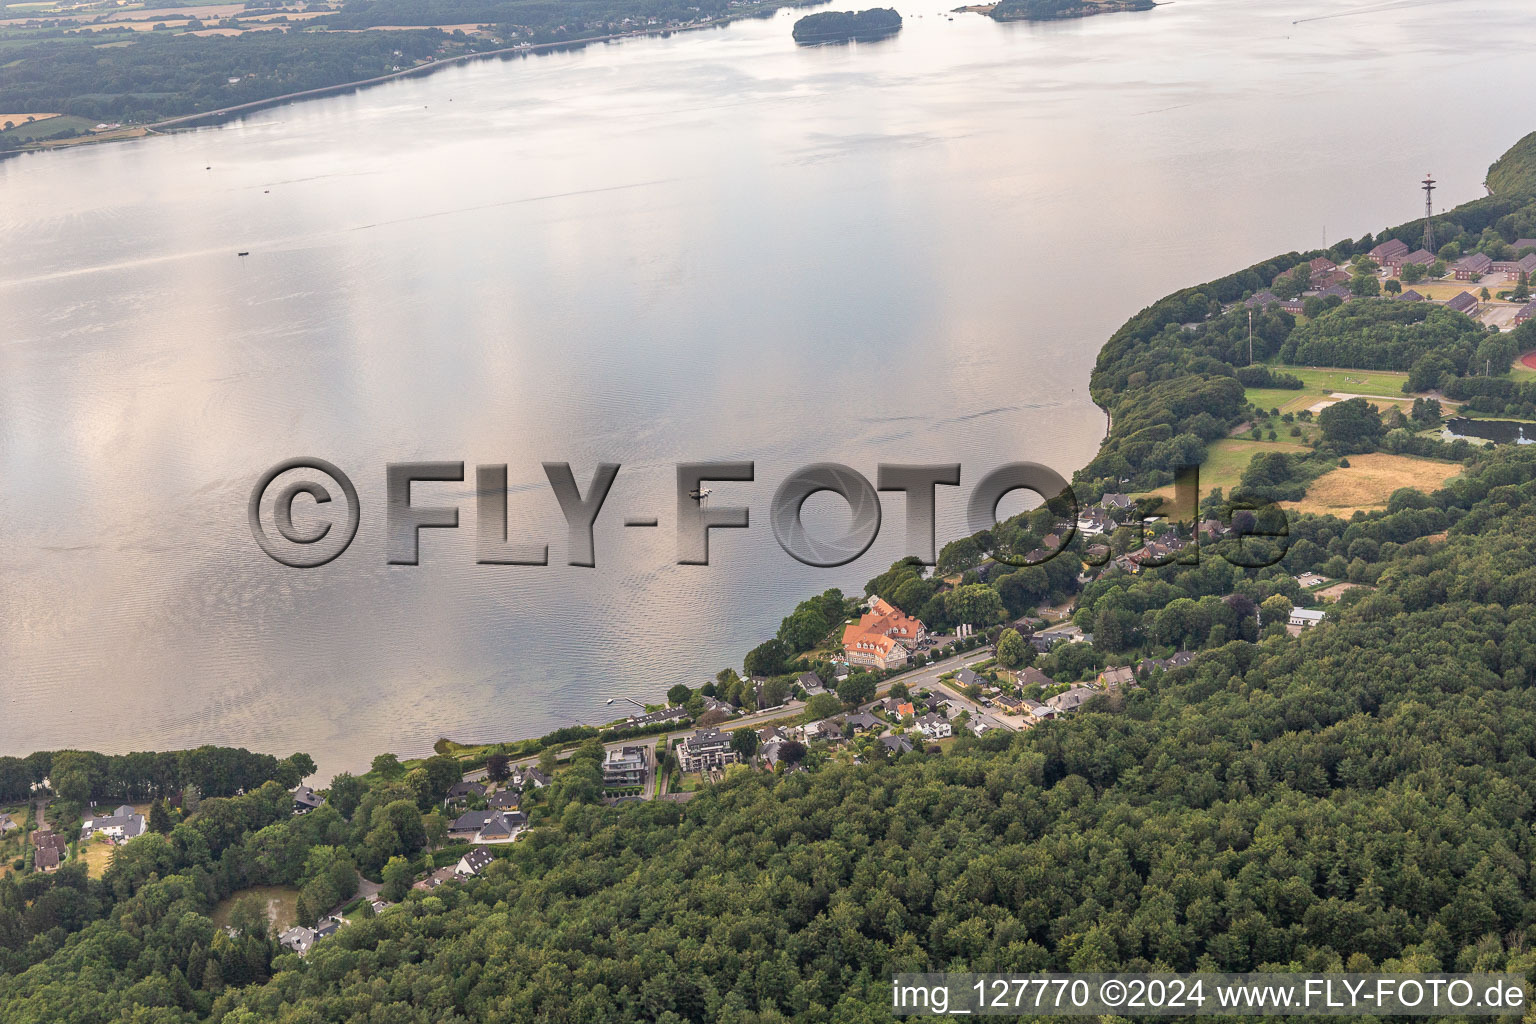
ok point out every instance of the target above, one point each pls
(123, 823)
(1305, 617)
(935, 727)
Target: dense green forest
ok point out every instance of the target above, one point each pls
(842, 26)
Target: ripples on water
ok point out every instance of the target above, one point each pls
(712, 246)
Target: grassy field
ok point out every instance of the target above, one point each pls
(282, 905)
(1225, 461)
(1369, 481)
(48, 128)
(97, 854)
(1320, 382)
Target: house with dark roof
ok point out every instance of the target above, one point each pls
(503, 827)
(706, 748)
(811, 683)
(439, 877)
(1071, 700)
(1409, 296)
(47, 859)
(1384, 252)
(1009, 703)
(462, 790)
(1032, 676)
(1262, 300)
(675, 713)
(968, 678)
(504, 800)
(122, 824)
(1472, 266)
(1526, 312)
(1418, 258)
(473, 862)
(1512, 269)
(1466, 303)
(306, 800)
(863, 722)
(1342, 291)
(298, 939)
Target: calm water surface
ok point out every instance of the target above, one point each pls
(711, 246)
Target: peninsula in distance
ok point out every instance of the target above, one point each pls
(847, 26)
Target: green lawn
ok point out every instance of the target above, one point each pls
(47, 129)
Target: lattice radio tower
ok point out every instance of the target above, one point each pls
(1429, 213)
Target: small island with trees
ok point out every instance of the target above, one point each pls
(1057, 10)
(845, 26)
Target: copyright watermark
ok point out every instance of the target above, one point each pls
(332, 511)
(1179, 995)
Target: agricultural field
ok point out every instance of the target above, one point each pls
(1368, 481)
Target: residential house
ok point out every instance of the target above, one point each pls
(711, 704)
(1262, 300)
(897, 745)
(6, 824)
(770, 752)
(1122, 675)
(811, 683)
(1466, 303)
(1038, 710)
(439, 877)
(905, 709)
(529, 778)
(1009, 703)
(935, 726)
(1322, 264)
(1330, 278)
(473, 862)
(504, 800)
(47, 859)
(828, 729)
(464, 790)
(1149, 665)
(488, 826)
(46, 838)
(981, 725)
(674, 713)
(1071, 700)
(1032, 676)
(122, 824)
(298, 939)
(884, 637)
(1472, 266)
(968, 678)
(1093, 521)
(1526, 312)
(706, 748)
(1338, 290)
(1295, 307)
(306, 800)
(330, 926)
(1305, 617)
(1384, 253)
(624, 767)
(1522, 244)
(1115, 503)
(863, 722)
(1410, 296)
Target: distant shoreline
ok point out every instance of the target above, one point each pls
(220, 114)
(1088, 9)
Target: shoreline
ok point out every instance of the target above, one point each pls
(170, 125)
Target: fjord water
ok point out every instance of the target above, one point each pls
(711, 246)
